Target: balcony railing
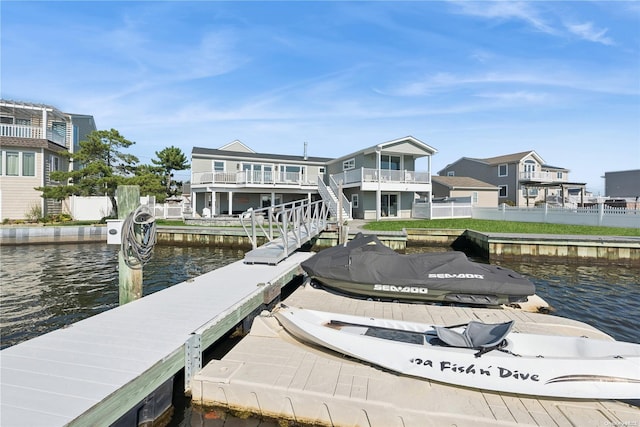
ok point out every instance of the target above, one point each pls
(31, 132)
(393, 176)
(252, 178)
(542, 176)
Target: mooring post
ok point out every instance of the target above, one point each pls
(130, 278)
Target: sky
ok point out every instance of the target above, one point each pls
(469, 78)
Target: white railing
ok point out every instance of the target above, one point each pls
(542, 176)
(249, 178)
(31, 132)
(278, 221)
(371, 175)
(342, 200)
(597, 215)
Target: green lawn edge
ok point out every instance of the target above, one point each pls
(496, 226)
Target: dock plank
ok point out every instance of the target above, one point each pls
(128, 351)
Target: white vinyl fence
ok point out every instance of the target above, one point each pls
(94, 208)
(427, 210)
(597, 215)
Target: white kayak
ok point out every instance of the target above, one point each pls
(481, 356)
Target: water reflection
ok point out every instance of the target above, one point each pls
(606, 297)
(46, 287)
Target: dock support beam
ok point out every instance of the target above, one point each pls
(192, 359)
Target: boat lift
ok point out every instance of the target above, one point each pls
(285, 227)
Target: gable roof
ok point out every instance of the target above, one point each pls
(406, 145)
(236, 145)
(511, 158)
(462, 182)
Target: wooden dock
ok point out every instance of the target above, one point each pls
(93, 372)
(269, 373)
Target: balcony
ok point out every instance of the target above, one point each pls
(253, 179)
(31, 132)
(399, 180)
(545, 177)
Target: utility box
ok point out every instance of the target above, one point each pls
(114, 231)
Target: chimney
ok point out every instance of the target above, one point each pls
(305, 150)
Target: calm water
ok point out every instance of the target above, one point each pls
(45, 287)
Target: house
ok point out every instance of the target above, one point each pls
(480, 194)
(32, 138)
(622, 184)
(522, 178)
(378, 181)
(233, 178)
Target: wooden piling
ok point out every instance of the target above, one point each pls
(130, 285)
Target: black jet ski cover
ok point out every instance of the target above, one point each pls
(367, 260)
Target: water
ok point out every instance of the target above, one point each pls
(45, 287)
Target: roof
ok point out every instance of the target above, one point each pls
(458, 182)
(421, 148)
(229, 154)
(509, 158)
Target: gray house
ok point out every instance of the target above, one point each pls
(522, 178)
(622, 184)
(376, 182)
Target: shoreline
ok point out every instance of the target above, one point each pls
(491, 246)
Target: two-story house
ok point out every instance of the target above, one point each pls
(376, 182)
(381, 181)
(522, 178)
(234, 178)
(32, 136)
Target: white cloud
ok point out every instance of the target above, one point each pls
(587, 31)
(518, 96)
(506, 10)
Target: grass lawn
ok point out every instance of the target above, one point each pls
(502, 227)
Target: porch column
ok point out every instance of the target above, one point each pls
(273, 198)
(44, 123)
(213, 203)
(378, 190)
(193, 203)
(230, 195)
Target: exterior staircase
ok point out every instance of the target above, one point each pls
(335, 200)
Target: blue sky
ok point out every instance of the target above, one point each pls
(474, 79)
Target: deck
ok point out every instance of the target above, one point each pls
(269, 373)
(94, 371)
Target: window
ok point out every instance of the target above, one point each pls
(349, 164)
(451, 173)
(503, 191)
(28, 164)
(218, 166)
(55, 164)
(13, 163)
(559, 175)
(354, 200)
(265, 200)
(502, 170)
(530, 192)
(388, 162)
(321, 170)
(474, 198)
